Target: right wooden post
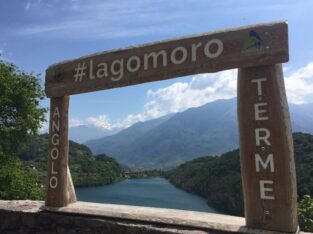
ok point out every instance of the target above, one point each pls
(266, 150)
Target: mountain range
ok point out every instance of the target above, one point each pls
(168, 141)
(83, 133)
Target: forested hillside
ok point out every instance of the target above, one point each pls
(218, 178)
(86, 169)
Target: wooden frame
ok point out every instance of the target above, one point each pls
(266, 151)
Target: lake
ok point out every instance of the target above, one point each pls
(151, 192)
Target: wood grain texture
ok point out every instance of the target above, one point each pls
(266, 108)
(57, 194)
(71, 189)
(240, 48)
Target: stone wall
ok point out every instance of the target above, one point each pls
(33, 217)
(29, 217)
(47, 222)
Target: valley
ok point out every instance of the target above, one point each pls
(168, 141)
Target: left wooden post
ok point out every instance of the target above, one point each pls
(59, 190)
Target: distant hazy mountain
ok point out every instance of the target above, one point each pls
(85, 133)
(302, 117)
(210, 129)
(121, 143)
(171, 140)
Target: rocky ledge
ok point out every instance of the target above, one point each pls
(82, 217)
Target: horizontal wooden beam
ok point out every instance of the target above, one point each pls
(210, 52)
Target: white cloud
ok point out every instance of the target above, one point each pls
(131, 119)
(177, 97)
(299, 85)
(201, 89)
(101, 121)
(206, 88)
(74, 123)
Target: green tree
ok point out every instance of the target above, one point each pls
(20, 118)
(305, 214)
(218, 178)
(20, 114)
(86, 169)
(16, 181)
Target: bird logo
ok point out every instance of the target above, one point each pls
(252, 41)
(58, 73)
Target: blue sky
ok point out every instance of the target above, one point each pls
(38, 33)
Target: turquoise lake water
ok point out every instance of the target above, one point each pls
(151, 192)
